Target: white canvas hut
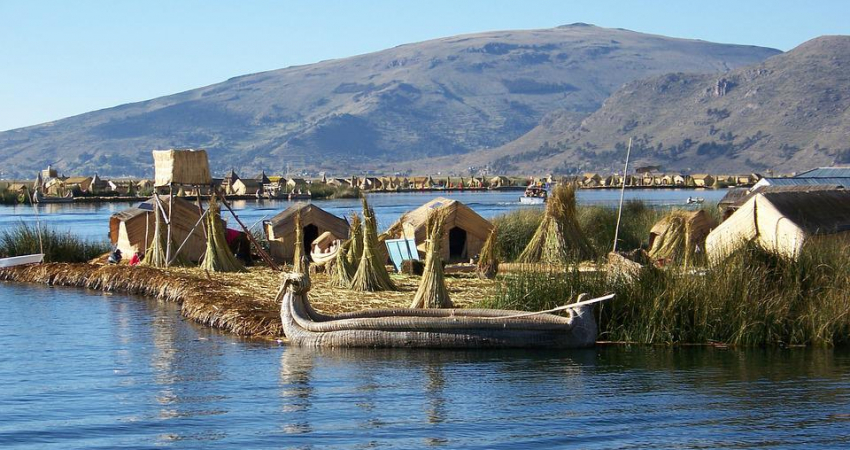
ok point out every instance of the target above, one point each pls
(464, 232)
(782, 222)
(132, 230)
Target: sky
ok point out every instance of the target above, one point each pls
(61, 58)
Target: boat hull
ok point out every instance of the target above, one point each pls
(532, 200)
(21, 260)
(433, 328)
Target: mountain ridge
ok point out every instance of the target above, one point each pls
(443, 97)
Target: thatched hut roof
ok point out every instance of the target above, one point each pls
(782, 222)
(464, 233)
(280, 229)
(128, 229)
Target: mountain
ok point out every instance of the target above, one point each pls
(788, 113)
(445, 97)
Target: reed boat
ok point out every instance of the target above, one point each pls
(38, 197)
(324, 249)
(431, 328)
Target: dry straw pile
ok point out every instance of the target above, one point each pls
(432, 292)
(559, 238)
(218, 257)
(371, 273)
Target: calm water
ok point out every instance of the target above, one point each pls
(79, 369)
(92, 220)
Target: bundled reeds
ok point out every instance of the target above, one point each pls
(339, 269)
(432, 292)
(678, 236)
(559, 238)
(355, 250)
(488, 261)
(155, 253)
(371, 273)
(299, 261)
(218, 257)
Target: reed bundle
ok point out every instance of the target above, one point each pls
(340, 269)
(432, 292)
(155, 253)
(218, 256)
(488, 261)
(559, 238)
(355, 251)
(371, 273)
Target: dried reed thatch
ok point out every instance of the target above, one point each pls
(371, 273)
(299, 261)
(559, 238)
(218, 257)
(677, 236)
(339, 269)
(355, 250)
(155, 253)
(488, 261)
(432, 292)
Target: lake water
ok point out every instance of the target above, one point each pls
(91, 220)
(80, 369)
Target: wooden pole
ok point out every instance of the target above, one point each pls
(622, 194)
(170, 215)
(260, 250)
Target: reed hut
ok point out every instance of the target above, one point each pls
(679, 235)
(280, 229)
(464, 231)
(782, 222)
(132, 230)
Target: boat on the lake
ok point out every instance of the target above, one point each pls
(38, 197)
(534, 195)
(432, 328)
(694, 201)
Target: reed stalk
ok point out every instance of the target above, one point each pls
(488, 261)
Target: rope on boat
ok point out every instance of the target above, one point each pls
(559, 308)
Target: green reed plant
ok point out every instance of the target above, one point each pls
(58, 246)
(753, 298)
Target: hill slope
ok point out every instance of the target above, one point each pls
(442, 97)
(788, 113)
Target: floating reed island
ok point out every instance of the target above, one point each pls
(242, 303)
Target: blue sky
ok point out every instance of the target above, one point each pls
(61, 58)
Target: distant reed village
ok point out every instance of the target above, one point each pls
(769, 265)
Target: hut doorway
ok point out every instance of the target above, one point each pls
(457, 243)
(311, 232)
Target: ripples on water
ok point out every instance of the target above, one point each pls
(80, 369)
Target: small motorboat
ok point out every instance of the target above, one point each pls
(432, 328)
(694, 201)
(534, 195)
